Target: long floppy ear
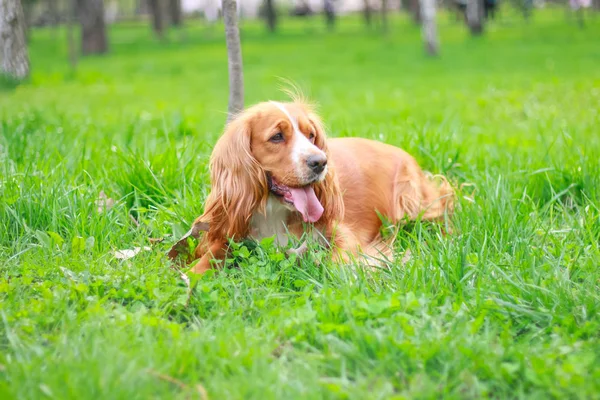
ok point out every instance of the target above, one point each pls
(239, 184)
(328, 191)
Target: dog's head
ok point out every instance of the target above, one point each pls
(277, 149)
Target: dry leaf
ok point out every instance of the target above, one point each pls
(299, 251)
(406, 257)
(182, 243)
(129, 253)
(104, 203)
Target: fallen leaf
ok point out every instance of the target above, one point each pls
(68, 273)
(299, 251)
(129, 253)
(406, 257)
(155, 240)
(181, 244)
(46, 390)
(104, 203)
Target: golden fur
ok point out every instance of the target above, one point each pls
(363, 177)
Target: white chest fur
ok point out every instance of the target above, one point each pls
(272, 223)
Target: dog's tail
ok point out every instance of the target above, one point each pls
(420, 195)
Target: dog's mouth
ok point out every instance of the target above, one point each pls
(303, 199)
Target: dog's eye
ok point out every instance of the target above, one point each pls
(277, 138)
(312, 137)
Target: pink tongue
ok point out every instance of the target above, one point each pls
(306, 202)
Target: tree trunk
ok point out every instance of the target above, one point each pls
(175, 12)
(429, 27)
(271, 15)
(384, 19)
(158, 21)
(93, 28)
(415, 11)
(367, 12)
(27, 7)
(329, 13)
(580, 17)
(141, 7)
(71, 18)
(475, 16)
(15, 59)
(234, 59)
(52, 12)
(527, 7)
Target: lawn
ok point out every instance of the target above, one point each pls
(506, 307)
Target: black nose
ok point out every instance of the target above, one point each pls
(316, 163)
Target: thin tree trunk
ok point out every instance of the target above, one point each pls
(71, 18)
(27, 7)
(429, 27)
(52, 10)
(475, 16)
(271, 15)
(329, 13)
(93, 28)
(13, 45)
(527, 7)
(141, 7)
(234, 59)
(415, 11)
(367, 12)
(158, 21)
(384, 19)
(580, 17)
(175, 12)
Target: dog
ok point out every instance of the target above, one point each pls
(275, 173)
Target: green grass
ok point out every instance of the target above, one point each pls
(507, 307)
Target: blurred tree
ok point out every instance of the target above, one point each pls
(27, 6)
(489, 8)
(234, 59)
(71, 18)
(158, 20)
(367, 12)
(429, 27)
(384, 19)
(52, 13)
(329, 13)
(93, 27)
(270, 15)
(475, 16)
(14, 57)
(415, 10)
(526, 7)
(175, 12)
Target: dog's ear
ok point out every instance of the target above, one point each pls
(328, 191)
(239, 184)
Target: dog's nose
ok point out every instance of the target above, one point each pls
(316, 163)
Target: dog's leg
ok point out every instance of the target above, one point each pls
(217, 250)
